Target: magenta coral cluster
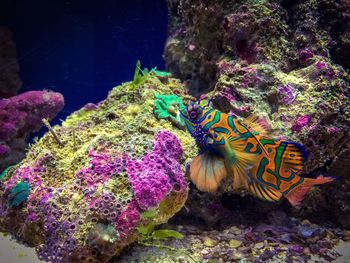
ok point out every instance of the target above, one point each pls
(158, 172)
(19, 116)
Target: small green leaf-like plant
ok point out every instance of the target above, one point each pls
(147, 231)
(4, 173)
(140, 75)
(150, 237)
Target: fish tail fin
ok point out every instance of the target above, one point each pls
(297, 194)
(207, 172)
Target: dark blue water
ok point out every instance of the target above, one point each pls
(84, 48)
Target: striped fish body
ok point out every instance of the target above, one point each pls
(266, 168)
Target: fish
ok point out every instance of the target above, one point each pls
(265, 167)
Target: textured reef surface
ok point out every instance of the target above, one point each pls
(105, 177)
(284, 240)
(286, 61)
(116, 173)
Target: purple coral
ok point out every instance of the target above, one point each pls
(287, 93)
(93, 197)
(158, 172)
(301, 122)
(4, 149)
(305, 54)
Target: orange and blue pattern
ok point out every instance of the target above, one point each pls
(265, 167)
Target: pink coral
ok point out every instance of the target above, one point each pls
(305, 54)
(301, 122)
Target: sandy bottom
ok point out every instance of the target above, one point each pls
(13, 252)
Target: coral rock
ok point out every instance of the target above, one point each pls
(117, 161)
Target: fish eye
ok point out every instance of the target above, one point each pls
(194, 112)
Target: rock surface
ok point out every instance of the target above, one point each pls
(283, 60)
(258, 241)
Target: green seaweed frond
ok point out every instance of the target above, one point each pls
(160, 73)
(147, 231)
(140, 76)
(153, 238)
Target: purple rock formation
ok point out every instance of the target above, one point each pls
(114, 209)
(19, 116)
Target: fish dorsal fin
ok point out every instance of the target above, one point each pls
(207, 172)
(258, 124)
(264, 192)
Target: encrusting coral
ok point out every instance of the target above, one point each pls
(116, 160)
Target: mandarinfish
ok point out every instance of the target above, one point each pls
(265, 167)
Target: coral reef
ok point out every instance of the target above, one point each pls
(10, 82)
(283, 60)
(19, 116)
(92, 179)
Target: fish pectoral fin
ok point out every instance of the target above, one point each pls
(258, 124)
(207, 172)
(240, 163)
(264, 192)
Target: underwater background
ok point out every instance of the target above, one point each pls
(175, 131)
(83, 48)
